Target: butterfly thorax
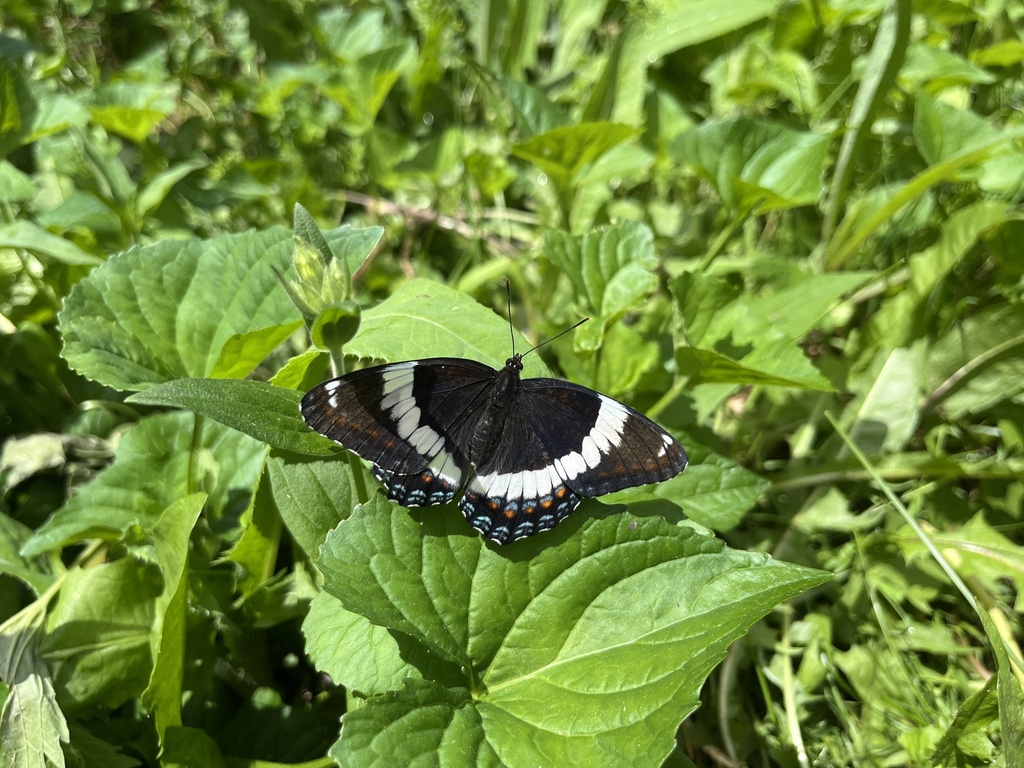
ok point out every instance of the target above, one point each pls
(490, 427)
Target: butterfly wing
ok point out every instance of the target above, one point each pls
(406, 419)
(562, 443)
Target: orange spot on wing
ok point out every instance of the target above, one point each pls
(510, 513)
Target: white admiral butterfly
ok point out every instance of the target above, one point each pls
(523, 451)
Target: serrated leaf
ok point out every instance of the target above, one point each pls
(589, 615)
(156, 464)
(312, 495)
(166, 311)
(349, 648)
(423, 718)
(612, 269)
(755, 163)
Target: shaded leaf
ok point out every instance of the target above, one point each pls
(156, 464)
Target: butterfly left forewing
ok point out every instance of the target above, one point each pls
(403, 418)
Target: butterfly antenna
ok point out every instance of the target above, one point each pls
(511, 332)
(573, 328)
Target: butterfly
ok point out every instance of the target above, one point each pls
(522, 452)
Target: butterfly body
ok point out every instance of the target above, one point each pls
(523, 452)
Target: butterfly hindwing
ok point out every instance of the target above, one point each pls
(563, 443)
(402, 418)
(517, 492)
(609, 446)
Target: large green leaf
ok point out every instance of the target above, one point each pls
(618, 619)
(169, 310)
(424, 318)
(165, 311)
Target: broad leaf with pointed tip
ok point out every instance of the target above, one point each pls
(619, 619)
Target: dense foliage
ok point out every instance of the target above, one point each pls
(797, 230)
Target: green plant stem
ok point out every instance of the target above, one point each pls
(943, 563)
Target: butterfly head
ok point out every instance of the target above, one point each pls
(515, 362)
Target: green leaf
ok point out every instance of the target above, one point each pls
(163, 695)
(268, 413)
(349, 647)
(978, 364)
(244, 351)
(588, 615)
(755, 164)
(423, 718)
(563, 153)
(312, 495)
(969, 730)
(184, 747)
(778, 364)
(364, 84)
(646, 39)
(13, 535)
(427, 319)
(535, 113)
(132, 109)
(166, 311)
(899, 320)
(98, 635)
(156, 189)
(943, 132)
(1011, 693)
(979, 551)
(28, 236)
(160, 460)
(32, 725)
(884, 415)
(714, 491)
(612, 270)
